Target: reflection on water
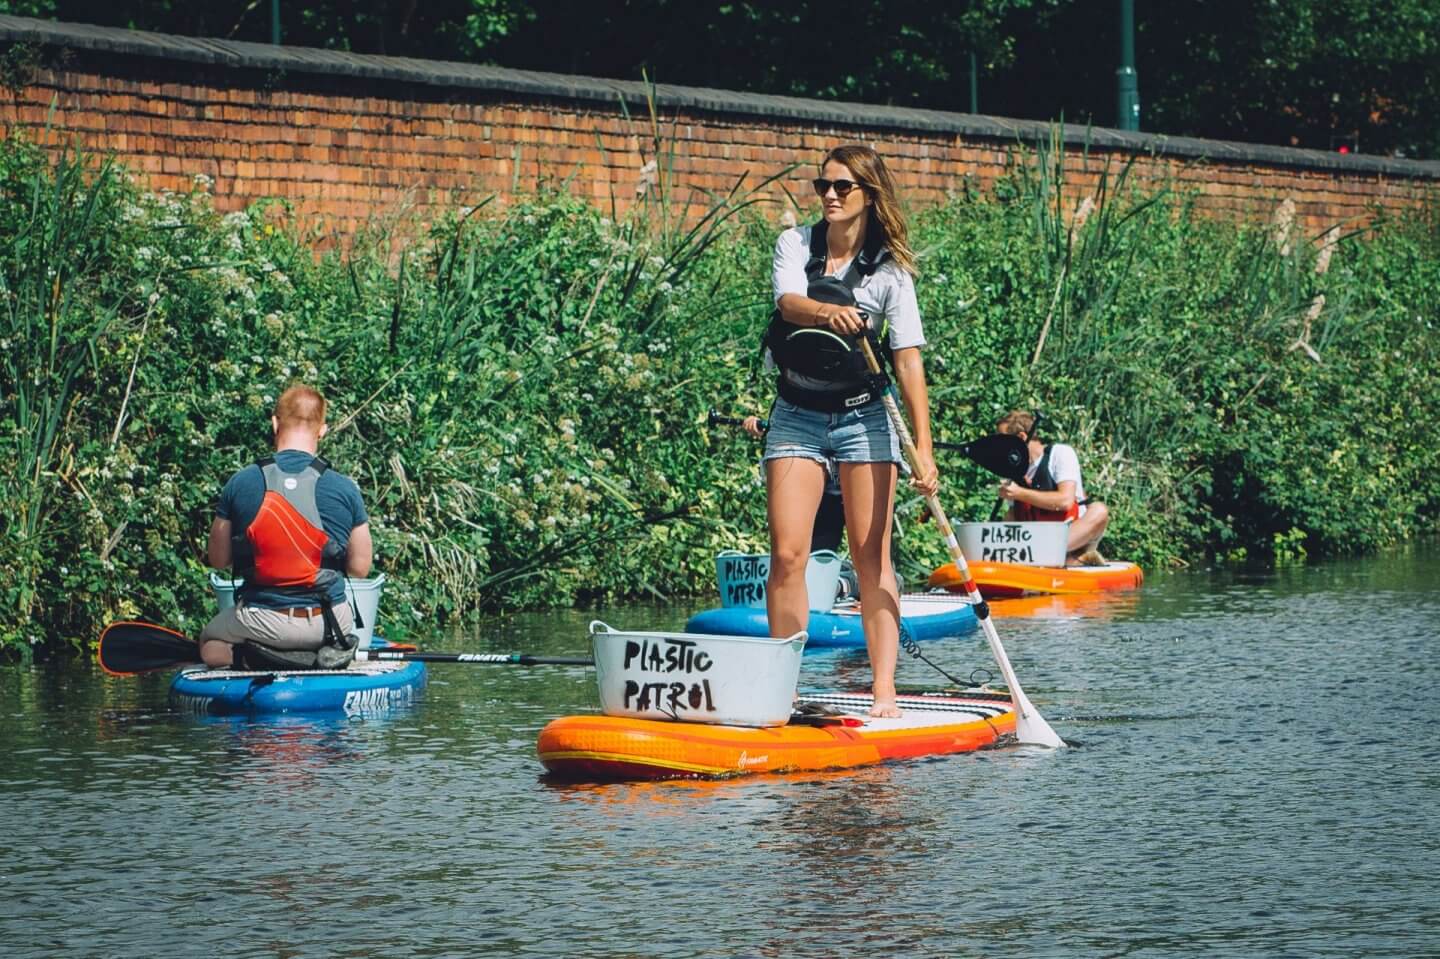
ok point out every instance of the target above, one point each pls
(1258, 778)
(1090, 606)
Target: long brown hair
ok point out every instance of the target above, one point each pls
(870, 170)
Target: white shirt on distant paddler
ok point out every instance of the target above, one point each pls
(1064, 465)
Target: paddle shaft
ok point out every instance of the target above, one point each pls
(1030, 726)
(716, 419)
(129, 648)
(488, 659)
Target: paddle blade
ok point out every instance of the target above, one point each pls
(130, 648)
(1002, 454)
(1030, 726)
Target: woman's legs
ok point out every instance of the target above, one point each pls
(793, 486)
(869, 493)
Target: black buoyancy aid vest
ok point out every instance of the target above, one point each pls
(1043, 482)
(819, 353)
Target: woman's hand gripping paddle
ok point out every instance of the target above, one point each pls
(1030, 726)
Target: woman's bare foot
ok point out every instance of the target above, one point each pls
(884, 705)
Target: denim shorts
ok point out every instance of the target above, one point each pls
(861, 435)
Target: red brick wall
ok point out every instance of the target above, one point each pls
(345, 149)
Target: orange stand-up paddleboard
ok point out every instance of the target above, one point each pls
(998, 580)
(604, 748)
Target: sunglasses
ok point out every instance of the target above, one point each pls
(842, 187)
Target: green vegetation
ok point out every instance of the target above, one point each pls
(521, 392)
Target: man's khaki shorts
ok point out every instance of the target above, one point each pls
(273, 627)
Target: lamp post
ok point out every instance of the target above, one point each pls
(1127, 84)
(974, 84)
(275, 22)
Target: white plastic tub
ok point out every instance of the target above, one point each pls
(365, 593)
(741, 578)
(695, 678)
(1029, 544)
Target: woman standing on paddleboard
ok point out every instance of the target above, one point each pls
(852, 271)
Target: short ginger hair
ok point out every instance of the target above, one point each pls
(301, 406)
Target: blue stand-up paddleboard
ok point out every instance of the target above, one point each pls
(923, 616)
(362, 689)
(834, 613)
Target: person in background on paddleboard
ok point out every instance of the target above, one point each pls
(290, 526)
(850, 272)
(1053, 491)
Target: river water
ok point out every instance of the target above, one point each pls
(1254, 772)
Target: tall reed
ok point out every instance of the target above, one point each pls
(59, 305)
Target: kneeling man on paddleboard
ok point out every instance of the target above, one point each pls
(1053, 491)
(292, 528)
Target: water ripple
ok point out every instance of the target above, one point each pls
(1256, 777)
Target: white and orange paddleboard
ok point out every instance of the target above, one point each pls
(606, 748)
(996, 580)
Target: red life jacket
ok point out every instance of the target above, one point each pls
(285, 549)
(1043, 482)
(285, 546)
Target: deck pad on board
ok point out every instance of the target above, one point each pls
(356, 669)
(916, 712)
(914, 604)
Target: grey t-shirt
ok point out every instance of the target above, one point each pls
(336, 496)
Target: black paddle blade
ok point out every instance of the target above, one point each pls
(130, 648)
(1002, 454)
